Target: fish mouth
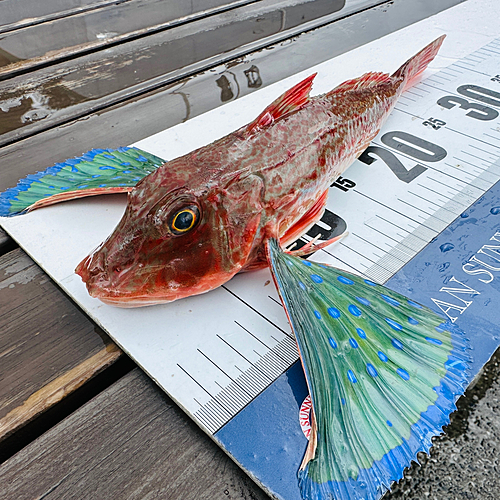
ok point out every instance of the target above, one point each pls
(94, 272)
(118, 291)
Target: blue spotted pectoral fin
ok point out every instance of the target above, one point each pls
(100, 171)
(383, 374)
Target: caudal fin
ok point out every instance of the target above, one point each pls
(100, 171)
(412, 68)
(383, 374)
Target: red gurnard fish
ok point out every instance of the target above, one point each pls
(383, 372)
(196, 221)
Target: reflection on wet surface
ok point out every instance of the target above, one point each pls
(101, 24)
(464, 462)
(20, 107)
(16, 13)
(254, 81)
(7, 58)
(115, 72)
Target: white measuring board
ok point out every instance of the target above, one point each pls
(438, 153)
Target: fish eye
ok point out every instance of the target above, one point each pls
(184, 220)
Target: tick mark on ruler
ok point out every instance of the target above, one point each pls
(412, 227)
(423, 211)
(425, 199)
(470, 69)
(372, 244)
(419, 223)
(492, 137)
(199, 385)
(413, 93)
(355, 251)
(493, 156)
(438, 75)
(224, 372)
(254, 336)
(235, 350)
(490, 50)
(471, 56)
(288, 334)
(469, 163)
(421, 89)
(438, 192)
(399, 242)
(275, 301)
(478, 157)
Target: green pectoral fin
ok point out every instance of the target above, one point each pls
(383, 374)
(100, 171)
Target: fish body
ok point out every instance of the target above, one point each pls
(267, 179)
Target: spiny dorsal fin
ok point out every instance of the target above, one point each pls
(363, 82)
(291, 100)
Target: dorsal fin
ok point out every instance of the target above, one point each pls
(291, 100)
(365, 81)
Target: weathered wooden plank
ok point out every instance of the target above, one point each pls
(64, 91)
(129, 442)
(138, 117)
(100, 27)
(48, 348)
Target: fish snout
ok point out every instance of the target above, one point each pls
(106, 274)
(94, 272)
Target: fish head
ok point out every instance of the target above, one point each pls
(175, 239)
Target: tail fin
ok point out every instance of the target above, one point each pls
(100, 171)
(383, 374)
(412, 68)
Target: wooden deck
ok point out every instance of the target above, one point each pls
(77, 418)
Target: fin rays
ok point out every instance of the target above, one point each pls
(99, 171)
(379, 375)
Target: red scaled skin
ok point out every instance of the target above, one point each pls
(247, 189)
(256, 183)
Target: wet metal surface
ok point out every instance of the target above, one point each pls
(106, 76)
(99, 81)
(18, 13)
(49, 41)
